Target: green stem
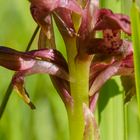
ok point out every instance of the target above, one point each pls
(79, 72)
(32, 38)
(5, 99)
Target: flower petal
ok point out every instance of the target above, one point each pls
(18, 83)
(46, 67)
(63, 88)
(48, 61)
(103, 76)
(106, 19)
(41, 10)
(127, 66)
(64, 22)
(88, 18)
(38, 61)
(91, 129)
(43, 41)
(93, 101)
(15, 60)
(48, 6)
(51, 55)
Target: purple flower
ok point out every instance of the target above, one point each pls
(111, 54)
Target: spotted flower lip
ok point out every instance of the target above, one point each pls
(99, 46)
(111, 25)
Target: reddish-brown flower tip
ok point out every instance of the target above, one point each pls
(18, 83)
(15, 60)
(106, 19)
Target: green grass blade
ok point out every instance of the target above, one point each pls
(111, 112)
(135, 20)
(133, 121)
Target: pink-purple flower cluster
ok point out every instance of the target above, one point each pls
(111, 54)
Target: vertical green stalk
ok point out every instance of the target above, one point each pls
(135, 20)
(79, 73)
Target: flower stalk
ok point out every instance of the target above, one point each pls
(79, 90)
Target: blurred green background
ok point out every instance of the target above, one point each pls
(49, 120)
(19, 122)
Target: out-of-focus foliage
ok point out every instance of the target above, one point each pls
(49, 120)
